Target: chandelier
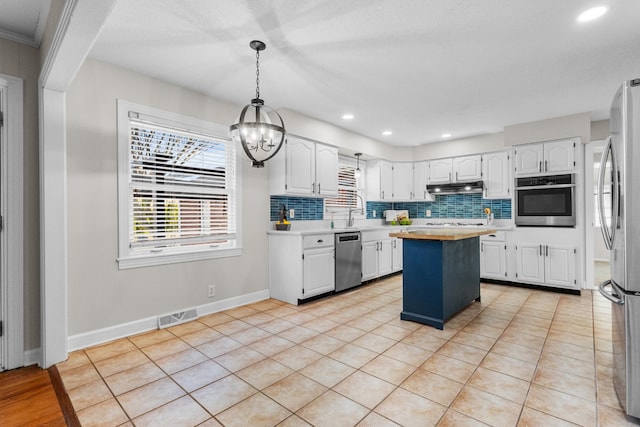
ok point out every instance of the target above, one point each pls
(259, 128)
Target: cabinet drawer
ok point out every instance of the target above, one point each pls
(318, 241)
(498, 236)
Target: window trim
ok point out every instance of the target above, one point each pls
(125, 259)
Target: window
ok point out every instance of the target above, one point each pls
(606, 196)
(178, 197)
(349, 188)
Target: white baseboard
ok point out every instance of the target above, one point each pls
(32, 357)
(100, 336)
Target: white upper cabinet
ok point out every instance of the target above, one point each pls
(304, 168)
(468, 168)
(403, 181)
(326, 170)
(440, 171)
(496, 171)
(456, 169)
(420, 179)
(546, 157)
(379, 178)
(300, 166)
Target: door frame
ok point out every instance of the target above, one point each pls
(12, 235)
(589, 150)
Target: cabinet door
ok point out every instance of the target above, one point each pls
(318, 272)
(440, 171)
(493, 260)
(300, 166)
(420, 179)
(385, 257)
(369, 260)
(386, 180)
(497, 175)
(396, 254)
(529, 159)
(468, 168)
(402, 181)
(559, 156)
(326, 170)
(530, 263)
(560, 266)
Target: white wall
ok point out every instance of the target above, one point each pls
(100, 295)
(545, 130)
(460, 147)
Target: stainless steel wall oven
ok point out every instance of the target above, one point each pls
(546, 201)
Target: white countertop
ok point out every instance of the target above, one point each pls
(324, 226)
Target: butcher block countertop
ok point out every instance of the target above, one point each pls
(449, 233)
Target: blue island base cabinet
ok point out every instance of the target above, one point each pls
(440, 278)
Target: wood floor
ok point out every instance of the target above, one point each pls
(28, 398)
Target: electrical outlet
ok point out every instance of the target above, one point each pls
(211, 291)
(428, 213)
(374, 213)
(292, 213)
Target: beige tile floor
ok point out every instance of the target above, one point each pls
(520, 357)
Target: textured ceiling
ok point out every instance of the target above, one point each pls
(420, 68)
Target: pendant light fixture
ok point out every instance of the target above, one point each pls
(259, 128)
(357, 173)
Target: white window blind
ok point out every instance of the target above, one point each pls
(180, 188)
(347, 189)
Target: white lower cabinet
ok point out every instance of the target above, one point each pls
(493, 260)
(318, 271)
(378, 254)
(301, 267)
(396, 254)
(551, 265)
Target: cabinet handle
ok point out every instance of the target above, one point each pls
(383, 194)
(456, 176)
(481, 247)
(449, 176)
(540, 249)
(546, 166)
(320, 240)
(546, 250)
(318, 188)
(540, 166)
(313, 187)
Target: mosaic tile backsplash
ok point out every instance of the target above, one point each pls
(445, 206)
(305, 208)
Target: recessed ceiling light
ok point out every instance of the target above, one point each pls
(347, 116)
(387, 133)
(591, 14)
(446, 135)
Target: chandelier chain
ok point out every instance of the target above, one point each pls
(257, 74)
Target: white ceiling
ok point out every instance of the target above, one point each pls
(23, 21)
(417, 67)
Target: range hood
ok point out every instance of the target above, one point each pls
(456, 188)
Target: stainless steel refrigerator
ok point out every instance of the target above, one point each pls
(619, 205)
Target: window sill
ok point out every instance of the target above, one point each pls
(149, 260)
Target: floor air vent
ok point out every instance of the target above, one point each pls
(177, 318)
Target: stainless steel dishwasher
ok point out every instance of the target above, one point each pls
(348, 260)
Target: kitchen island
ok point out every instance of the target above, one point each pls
(441, 272)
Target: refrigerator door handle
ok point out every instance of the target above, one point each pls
(614, 298)
(606, 235)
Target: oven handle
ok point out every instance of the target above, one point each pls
(545, 187)
(613, 297)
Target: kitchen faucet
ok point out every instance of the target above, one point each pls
(351, 219)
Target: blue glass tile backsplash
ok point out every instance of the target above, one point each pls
(305, 208)
(455, 206)
(445, 206)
